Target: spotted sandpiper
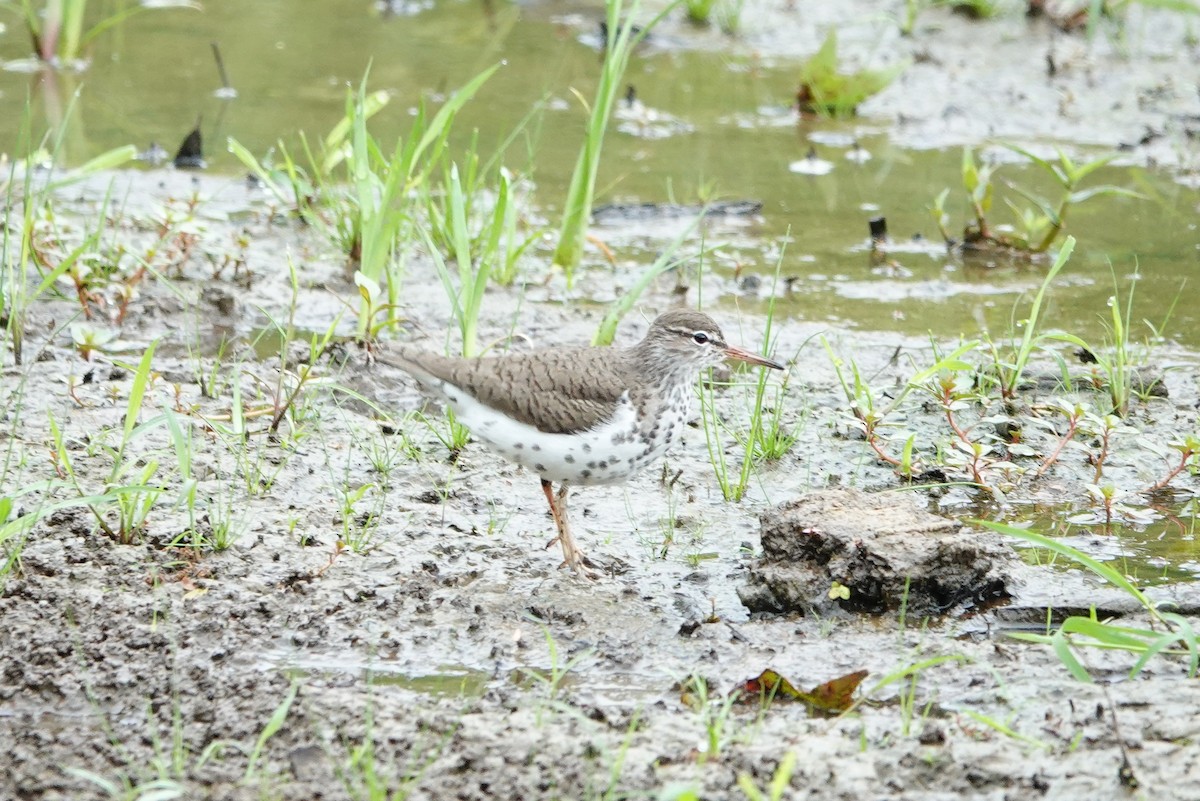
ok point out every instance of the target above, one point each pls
(580, 415)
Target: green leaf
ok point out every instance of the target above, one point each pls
(1099, 568)
(274, 724)
(109, 160)
(141, 380)
(1039, 161)
(1062, 647)
(1179, 6)
(1097, 191)
(441, 121)
(970, 173)
(1043, 205)
(1187, 635)
(336, 138)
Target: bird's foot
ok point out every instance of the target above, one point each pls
(575, 558)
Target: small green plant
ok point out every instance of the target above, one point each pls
(358, 528)
(551, 681)
(780, 779)
(168, 767)
(369, 215)
(622, 38)
(762, 436)
(453, 435)
(875, 420)
(465, 290)
(367, 778)
(1041, 223)
(907, 674)
(386, 451)
(133, 484)
(768, 440)
(1188, 448)
(827, 91)
(729, 16)
(714, 713)
(912, 9)
(225, 525)
(165, 776)
(381, 185)
(273, 726)
(59, 31)
(303, 190)
(733, 485)
(1090, 14)
(1010, 367)
(14, 531)
(699, 11)
(975, 9)
(1172, 634)
(977, 455)
(478, 216)
(27, 188)
(294, 382)
(1115, 358)
(669, 524)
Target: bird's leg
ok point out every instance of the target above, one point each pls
(572, 556)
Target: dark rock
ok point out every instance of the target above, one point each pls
(883, 548)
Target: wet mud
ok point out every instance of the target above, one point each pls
(449, 657)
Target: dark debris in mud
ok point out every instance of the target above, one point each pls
(888, 554)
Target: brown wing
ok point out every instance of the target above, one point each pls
(557, 390)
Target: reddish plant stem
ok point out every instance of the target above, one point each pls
(1179, 468)
(874, 443)
(954, 426)
(961, 433)
(868, 427)
(1072, 424)
(1102, 456)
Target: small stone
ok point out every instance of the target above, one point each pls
(883, 548)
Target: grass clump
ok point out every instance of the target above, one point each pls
(1040, 222)
(59, 31)
(828, 91)
(362, 194)
(1172, 634)
(30, 240)
(623, 37)
(134, 481)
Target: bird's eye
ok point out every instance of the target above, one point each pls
(700, 337)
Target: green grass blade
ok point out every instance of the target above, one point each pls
(273, 726)
(1188, 636)
(1099, 568)
(441, 121)
(137, 392)
(1062, 647)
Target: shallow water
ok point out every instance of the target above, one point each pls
(727, 129)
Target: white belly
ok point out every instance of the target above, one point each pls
(607, 454)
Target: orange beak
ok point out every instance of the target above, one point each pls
(739, 355)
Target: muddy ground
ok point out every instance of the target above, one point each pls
(448, 657)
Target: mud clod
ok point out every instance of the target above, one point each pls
(872, 545)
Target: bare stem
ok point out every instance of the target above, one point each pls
(1072, 425)
(1102, 456)
(1184, 458)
